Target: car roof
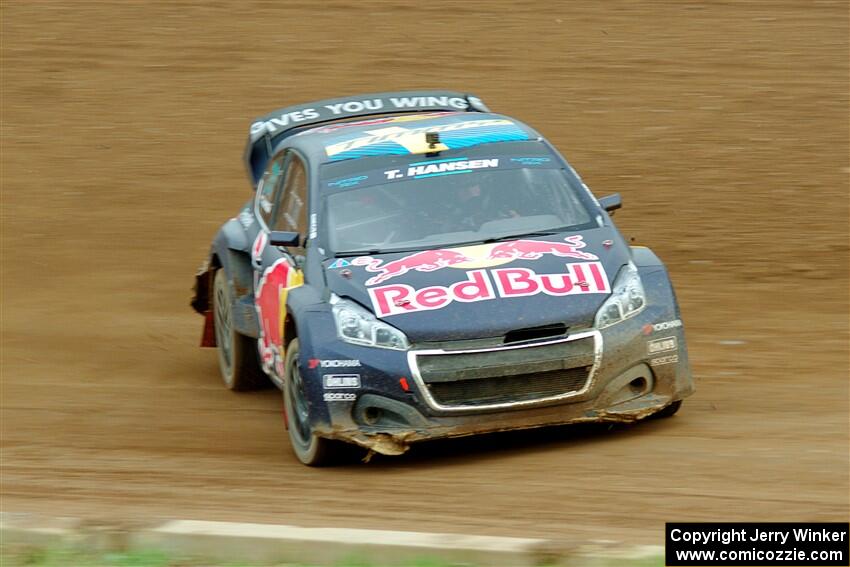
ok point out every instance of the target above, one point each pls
(267, 131)
(404, 134)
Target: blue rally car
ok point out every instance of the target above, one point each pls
(412, 266)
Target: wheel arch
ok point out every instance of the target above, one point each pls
(290, 328)
(229, 252)
(301, 301)
(644, 257)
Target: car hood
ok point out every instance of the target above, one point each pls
(485, 290)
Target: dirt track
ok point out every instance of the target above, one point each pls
(724, 126)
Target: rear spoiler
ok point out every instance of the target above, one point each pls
(266, 131)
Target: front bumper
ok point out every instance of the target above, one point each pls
(632, 370)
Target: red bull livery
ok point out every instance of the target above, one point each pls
(411, 266)
(425, 261)
(534, 249)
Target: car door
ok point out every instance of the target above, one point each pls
(264, 202)
(281, 205)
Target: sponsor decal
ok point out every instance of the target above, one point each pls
(332, 381)
(270, 303)
(355, 106)
(339, 397)
(259, 245)
(650, 328)
(284, 120)
(412, 140)
(315, 363)
(669, 359)
(397, 102)
(425, 261)
(661, 345)
(441, 167)
(531, 160)
(348, 181)
(389, 119)
(479, 256)
(535, 249)
(339, 264)
(484, 285)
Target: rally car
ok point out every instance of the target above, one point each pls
(411, 266)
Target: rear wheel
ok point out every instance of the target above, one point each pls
(668, 411)
(310, 449)
(237, 354)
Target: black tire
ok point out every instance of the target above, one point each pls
(668, 411)
(237, 354)
(312, 450)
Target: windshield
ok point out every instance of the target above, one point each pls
(429, 203)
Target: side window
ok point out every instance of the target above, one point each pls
(291, 213)
(266, 191)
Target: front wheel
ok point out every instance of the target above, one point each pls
(668, 411)
(310, 449)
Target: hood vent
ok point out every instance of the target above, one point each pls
(534, 333)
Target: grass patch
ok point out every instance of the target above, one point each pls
(63, 557)
(28, 556)
(648, 562)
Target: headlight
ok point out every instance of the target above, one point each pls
(356, 325)
(627, 298)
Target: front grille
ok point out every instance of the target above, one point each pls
(506, 375)
(519, 388)
(535, 333)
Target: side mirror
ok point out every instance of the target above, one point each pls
(281, 238)
(611, 202)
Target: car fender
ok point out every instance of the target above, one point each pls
(664, 308)
(230, 251)
(302, 301)
(299, 299)
(314, 326)
(644, 257)
(656, 282)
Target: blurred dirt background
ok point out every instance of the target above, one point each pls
(724, 125)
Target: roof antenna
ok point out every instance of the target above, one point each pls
(432, 139)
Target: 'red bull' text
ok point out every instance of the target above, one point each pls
(483, 285)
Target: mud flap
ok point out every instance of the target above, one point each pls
(208, 334)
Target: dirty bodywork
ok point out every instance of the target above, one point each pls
(445, 273)
(626, 372)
